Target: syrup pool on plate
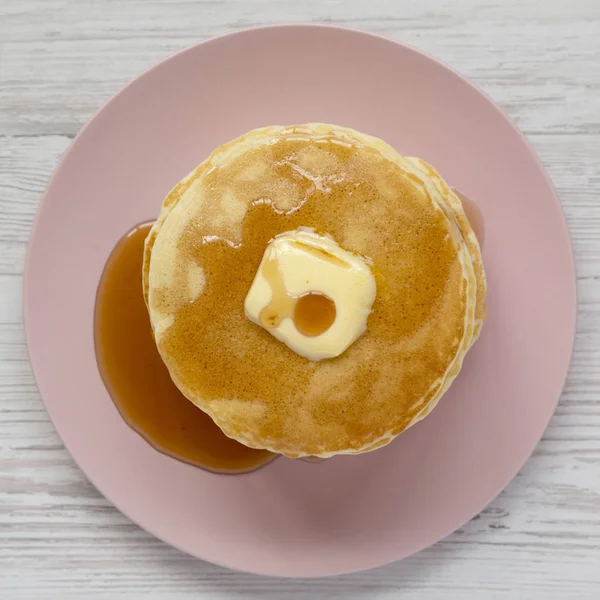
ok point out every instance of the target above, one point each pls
(138, 381)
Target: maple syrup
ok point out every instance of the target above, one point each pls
(474, 215)
(139, 382)
(314, 313)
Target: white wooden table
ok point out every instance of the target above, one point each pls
(60, 60)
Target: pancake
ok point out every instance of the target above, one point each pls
(203, 252)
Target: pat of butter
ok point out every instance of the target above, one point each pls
(301, 262)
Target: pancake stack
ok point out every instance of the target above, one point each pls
(395, 212)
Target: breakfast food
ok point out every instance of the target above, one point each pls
(380, 236)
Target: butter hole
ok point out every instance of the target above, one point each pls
(314, 314)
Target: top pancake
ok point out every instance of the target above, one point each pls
(203, 252)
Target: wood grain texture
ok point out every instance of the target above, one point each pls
(59, 61)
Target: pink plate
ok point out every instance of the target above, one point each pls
(295, 518)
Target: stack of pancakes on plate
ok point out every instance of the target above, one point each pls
(398, 213)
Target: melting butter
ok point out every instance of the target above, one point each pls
(311, 294)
